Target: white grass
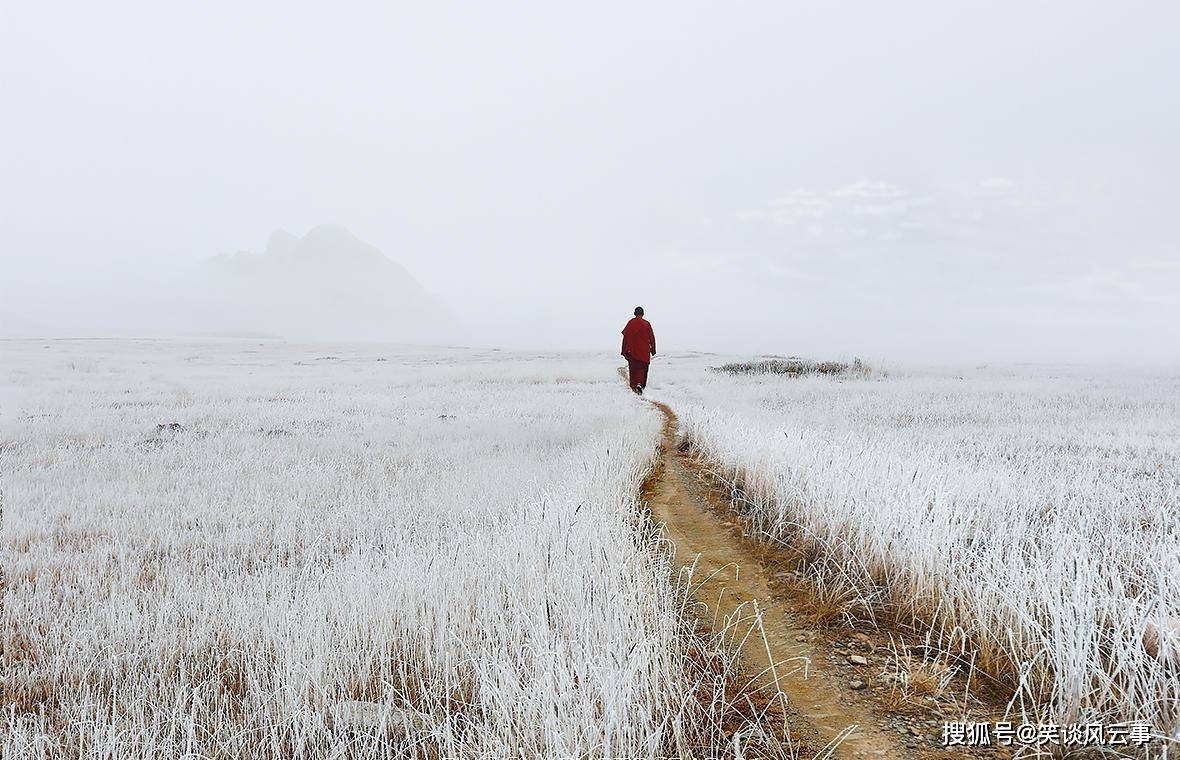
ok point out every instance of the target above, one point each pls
(450, 535)
(1035, 512)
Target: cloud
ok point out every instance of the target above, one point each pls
(856, 218)
(867, 189)
(893, 208)
(998, 186)
(994, 215)
(797, 206)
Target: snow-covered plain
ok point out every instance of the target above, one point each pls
(221, 549)
(256, 549)
(1034, 512)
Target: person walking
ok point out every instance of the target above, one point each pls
(639, 346)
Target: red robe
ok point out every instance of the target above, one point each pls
(639, 346)
(639, 342)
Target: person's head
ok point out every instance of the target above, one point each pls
(639, 311)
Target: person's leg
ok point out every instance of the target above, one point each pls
(641, 375)
(633, 368)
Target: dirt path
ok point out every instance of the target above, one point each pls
(732, 581)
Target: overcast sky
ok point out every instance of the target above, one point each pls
(895, 180)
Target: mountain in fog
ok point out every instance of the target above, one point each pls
(326, 285)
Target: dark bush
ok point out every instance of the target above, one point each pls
(795, 367)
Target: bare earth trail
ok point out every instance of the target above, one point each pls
(730, 579)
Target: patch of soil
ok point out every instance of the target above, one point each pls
(834, 686)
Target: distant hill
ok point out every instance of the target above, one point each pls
(326, 285)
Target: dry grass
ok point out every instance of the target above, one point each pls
(1024, 520)
(447, 543)
(795, 366)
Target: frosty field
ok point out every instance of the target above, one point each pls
(233, 550)
(253, 549)
(1030, 516)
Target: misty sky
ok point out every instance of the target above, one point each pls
(893, 180)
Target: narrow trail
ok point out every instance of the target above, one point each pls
(730, 579)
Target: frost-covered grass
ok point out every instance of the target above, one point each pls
(1033, 513)
(218, 550)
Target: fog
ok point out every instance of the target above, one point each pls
(943, 182)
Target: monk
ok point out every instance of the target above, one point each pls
(639, 346)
